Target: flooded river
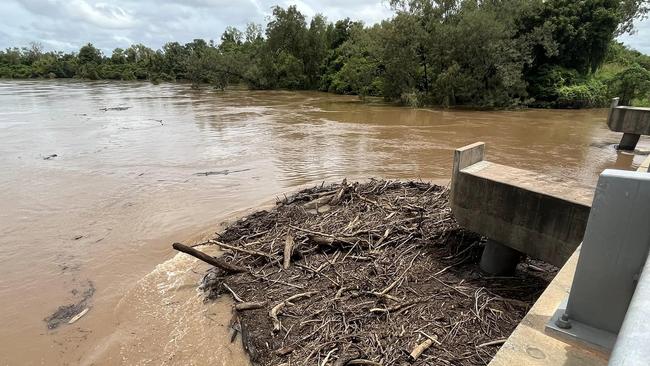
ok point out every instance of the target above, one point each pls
(97, 219)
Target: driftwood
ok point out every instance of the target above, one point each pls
(243, 250)
(277, 308)
(417, 351)
(319, 202)
(78, 316)
(339, 194)
(234, 294)
(497, 342)
(362, 362)
(363, 282)
(228, 267)
(288, 251)
(250, 305)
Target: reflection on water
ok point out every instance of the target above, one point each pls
(123, 184)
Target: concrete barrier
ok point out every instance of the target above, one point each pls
(542, 216)
(532, 344)
(632, 121)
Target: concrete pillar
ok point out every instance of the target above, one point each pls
(499, 259)
(628, 141)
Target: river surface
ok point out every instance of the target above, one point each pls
(102, 214)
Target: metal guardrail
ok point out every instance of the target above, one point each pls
(633, 341)
(604, 294)
(632, 344)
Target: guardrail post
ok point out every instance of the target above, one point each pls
(612, 255)
(632, 342)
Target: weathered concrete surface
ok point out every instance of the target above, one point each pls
(633, 120)
(530, 345)
(645, 166)
(542, 216)
(466, 156)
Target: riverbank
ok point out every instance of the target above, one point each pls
(375, 272)
(574, 103)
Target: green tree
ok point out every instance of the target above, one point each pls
(118, 56)
(174, 60)
(502, 53)
(630, 84)
(88, 54)
(360, 60)
(286, 44)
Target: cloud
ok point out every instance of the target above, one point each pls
(68, 24)
(98, 14)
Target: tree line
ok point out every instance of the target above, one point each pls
(479, 53)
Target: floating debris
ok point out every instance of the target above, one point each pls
(114, 109)
(604, 144)
(221, 172)
(50, 157)
(68, 313)
(78, 316)
(384, 277)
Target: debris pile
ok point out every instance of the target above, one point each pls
(377, 273)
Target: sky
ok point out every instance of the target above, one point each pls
(68, 24)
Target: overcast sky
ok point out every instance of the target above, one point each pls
(68, 24)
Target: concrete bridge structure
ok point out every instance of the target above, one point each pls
(595, 311)
(632, 121)
(519, 211)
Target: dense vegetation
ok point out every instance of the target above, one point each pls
(484, 53)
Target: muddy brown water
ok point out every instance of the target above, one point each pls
(123, 186)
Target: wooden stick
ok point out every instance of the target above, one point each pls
(277, 308)
(417, 351)
(386, 296)
(228, 267)
(396, 307)
(311, 231)
(434, 338)
(247, 251)
(78, 316)
(325, 199)
(284, 350)
(337, 199)
(250, 305)
(327, 357)
(360, 361)
(493, 343)
(234, 295)
(288, 250)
